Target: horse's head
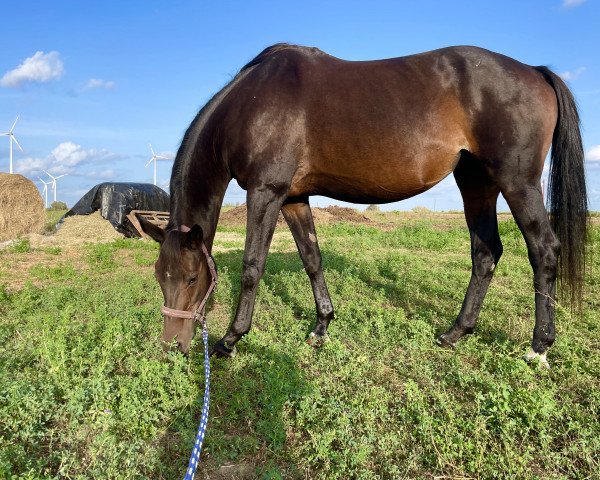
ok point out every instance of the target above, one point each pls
(184, 276)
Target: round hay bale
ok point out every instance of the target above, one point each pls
(21, 207)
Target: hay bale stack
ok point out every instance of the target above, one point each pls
(21, 207)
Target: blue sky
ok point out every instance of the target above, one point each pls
(95, 82)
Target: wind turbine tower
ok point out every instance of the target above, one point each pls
(153, 159)
(11, 139)
(45, 189)
(54, 179)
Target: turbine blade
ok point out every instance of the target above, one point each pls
(60, 176)
(15, 139)
(48, 174)
(149, 161)
(151, 149)
(13, 127)
(163, 157)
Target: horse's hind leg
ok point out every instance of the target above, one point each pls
(263, 204)
(479, 196)
(300, 220)
(527, 206)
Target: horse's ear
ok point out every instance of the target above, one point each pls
(194, 238)
(152, 230)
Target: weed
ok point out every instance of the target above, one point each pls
(86, 391)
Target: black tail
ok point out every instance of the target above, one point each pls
(567, 200)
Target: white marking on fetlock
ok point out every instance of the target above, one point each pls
(540, 357)
(530, 355)
(544, 361)
(443, 341)
(315, 340)
(312, 237)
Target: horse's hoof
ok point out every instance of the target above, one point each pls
(532, 356)
(220, 349)
(444, 342)
(317, 341)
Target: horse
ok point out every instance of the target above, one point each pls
(296, 122)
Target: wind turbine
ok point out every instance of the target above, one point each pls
(11, 139)
(54, 179)
(153, 159)
(45, 189)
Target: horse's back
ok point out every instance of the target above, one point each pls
(383, 130)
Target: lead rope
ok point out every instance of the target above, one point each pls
(195, 456)
(200, 314)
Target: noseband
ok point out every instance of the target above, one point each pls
(197, 310)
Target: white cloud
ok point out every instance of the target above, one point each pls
(593, 154)
(96, 83)
(67, 154)
(572, 3)
(41, 67)
(30, 165)
(169, 156)
(571, 74)
(70, 158)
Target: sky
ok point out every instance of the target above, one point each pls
(93, 83)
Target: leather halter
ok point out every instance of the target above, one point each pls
(197, 310)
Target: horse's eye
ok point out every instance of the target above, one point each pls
(192, 280)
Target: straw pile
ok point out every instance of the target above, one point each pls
(85, 228)
(21, 207)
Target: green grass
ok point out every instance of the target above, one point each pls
(52, 217)
(86, 392)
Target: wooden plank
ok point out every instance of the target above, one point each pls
(158, 218)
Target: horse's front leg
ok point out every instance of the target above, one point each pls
(263, 208)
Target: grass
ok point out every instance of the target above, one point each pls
(52, 217)
(86, 392)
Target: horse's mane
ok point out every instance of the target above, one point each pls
(189, 141)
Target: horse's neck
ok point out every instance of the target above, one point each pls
(199, 203)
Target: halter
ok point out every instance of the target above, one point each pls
(196, 312)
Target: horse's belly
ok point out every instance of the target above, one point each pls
(375, 180)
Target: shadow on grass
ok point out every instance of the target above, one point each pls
(414, 296)
(246, 433)
(418, 295)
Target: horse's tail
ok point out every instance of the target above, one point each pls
(567, 199)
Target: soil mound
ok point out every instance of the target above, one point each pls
(238, 215)
(332, 214)
(21, 207)
(345, 214)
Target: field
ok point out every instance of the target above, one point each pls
(86, 391)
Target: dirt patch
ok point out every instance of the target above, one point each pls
(16, 268)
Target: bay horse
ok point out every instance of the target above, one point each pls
(296, 122)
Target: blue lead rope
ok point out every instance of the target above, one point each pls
(195, 456)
